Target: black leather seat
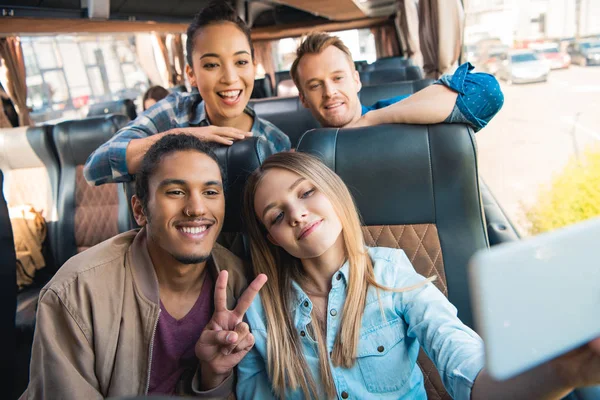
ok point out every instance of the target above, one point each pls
(31, 177)
(286, 113)
(384, 76)
(417, 189)
(122, 107)
(263, 88)
(289, 115)
(89, 214)
(372, 94)
(360, 65)
(239, 161)
(8, 296)
(389, 62)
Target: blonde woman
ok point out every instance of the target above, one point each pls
(337, 319)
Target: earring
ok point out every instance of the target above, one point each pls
(186, 212)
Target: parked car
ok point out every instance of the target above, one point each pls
(585, 53)
(523, 66)
(491, 59)
(555, 58)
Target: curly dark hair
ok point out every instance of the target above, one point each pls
(216, 12)
(167, 145)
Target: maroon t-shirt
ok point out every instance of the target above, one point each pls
(174, 342)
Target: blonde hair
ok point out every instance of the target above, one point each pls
(286, 363)
(315, 43)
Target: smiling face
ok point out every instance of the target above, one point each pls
(185, 182)
(223, 71)
(297, 216)
(329, 87)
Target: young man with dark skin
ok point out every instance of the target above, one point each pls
(135, 315)
(328, 85)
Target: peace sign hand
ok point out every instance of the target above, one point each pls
(226, 339)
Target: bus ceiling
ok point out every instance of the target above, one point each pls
(111, 16)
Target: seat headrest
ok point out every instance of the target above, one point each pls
(383, 76)
(262, 88)
(371, 94)
(123, 107)
(239, 161)
(281, 76)
(26, 147)
(395, 162)
(76, 140)
(391, 62)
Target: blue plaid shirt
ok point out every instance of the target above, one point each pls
(108, 164)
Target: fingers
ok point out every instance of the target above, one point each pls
(245, 340)
(248, 296)
(229, 133)
(221, 292)
(232, 132)
(218, 338)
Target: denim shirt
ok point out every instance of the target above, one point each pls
(479, 97)
(390, 337)
(178, 110)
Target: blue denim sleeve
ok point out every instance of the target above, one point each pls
(455, 349)
(252, 378)
(479, 96)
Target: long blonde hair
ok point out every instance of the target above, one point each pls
(286, 364)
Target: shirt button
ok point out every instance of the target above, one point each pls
(333, 312)
(339, 276)
(302, 333)
(344, 395)
(380, 349)
(306, 303)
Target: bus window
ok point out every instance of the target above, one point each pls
(98, 69)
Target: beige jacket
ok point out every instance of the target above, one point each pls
(96, 320)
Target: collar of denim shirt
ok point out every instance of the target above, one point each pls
(300, 300)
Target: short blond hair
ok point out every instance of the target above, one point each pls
(315, 43)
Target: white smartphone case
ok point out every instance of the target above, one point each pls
(537, 298)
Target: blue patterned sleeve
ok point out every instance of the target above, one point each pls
(479, 96)
(108, 164)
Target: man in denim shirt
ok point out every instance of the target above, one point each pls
(328, 85)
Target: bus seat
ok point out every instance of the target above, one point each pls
(417, 189)
(371, 94)
(286, 113)
(384, 76)
(289, 115)
(8, 296)
(89, 214)
(238, 161)
(281, 76)
(360, 65)
(262, 88)
(31, 177)
(388, 62)
(123, 107)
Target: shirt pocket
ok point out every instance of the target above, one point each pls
(383, 357)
